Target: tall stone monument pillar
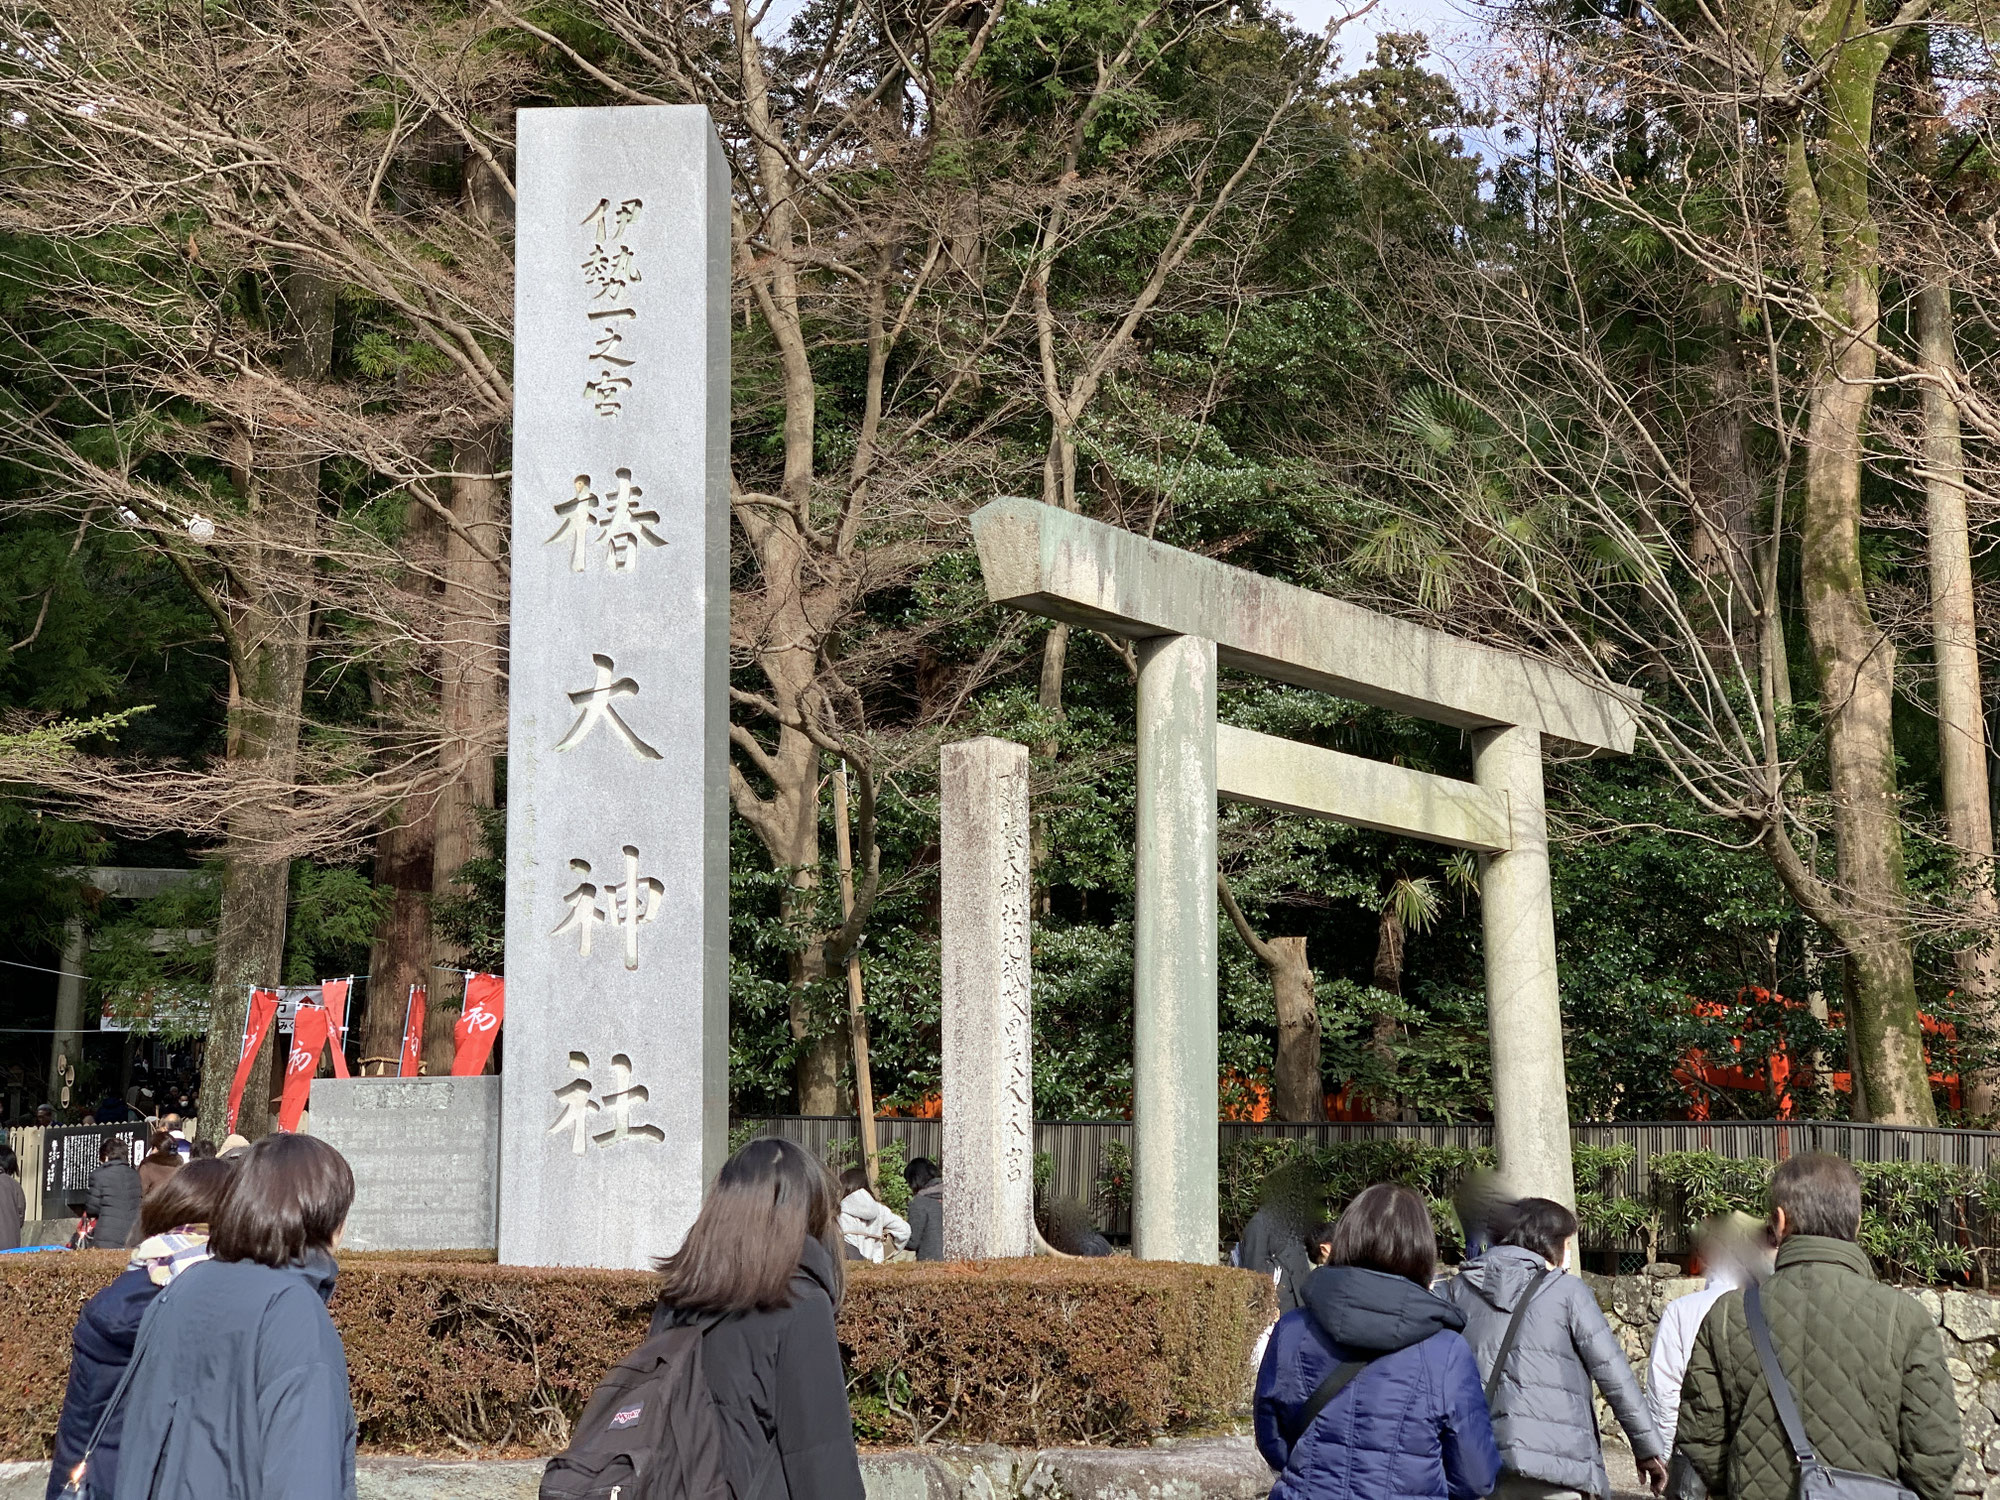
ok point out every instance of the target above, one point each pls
(1175, 1199)
(989, 1112)
(614, 1084)
(1523, 1005)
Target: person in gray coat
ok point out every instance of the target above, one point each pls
(115, 1192)
(13, 1201)
(239, 1381)
(926, 1208)
(1542, 1414)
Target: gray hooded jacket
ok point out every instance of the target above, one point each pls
(1542, 1416)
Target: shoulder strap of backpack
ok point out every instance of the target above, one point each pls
(1513, 1335)
(1342, 1376)
(1774, 1375)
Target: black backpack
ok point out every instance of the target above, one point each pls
(651, 1431)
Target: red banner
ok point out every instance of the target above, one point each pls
(333, 995)
(309, 1030)
(413, 1034)
(263, 1006)
(478, 1024)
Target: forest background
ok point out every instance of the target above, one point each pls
(1683, 380)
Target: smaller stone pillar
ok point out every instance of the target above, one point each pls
(989, 1111)
(1523, 1004)
(1175, 1199)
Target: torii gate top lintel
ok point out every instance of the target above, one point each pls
(1052, 562)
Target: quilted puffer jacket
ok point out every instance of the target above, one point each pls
(1411, 1426)
(1542, 1416)
(1863, 1360)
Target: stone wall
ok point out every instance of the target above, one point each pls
(1968, 1322)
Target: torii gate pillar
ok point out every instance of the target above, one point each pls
(1523, 1005)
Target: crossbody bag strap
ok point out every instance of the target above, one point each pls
(117, 1396)
(1774, 1375)
(1513, 1335)
(1342, 1376)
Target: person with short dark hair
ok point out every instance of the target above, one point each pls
(113, 1200)
(926, 1208)
(13, 1200)
(762, 1267)
(175, 1221)
(1864, 1360)
(1273, 1243)
(1409, 1421)
(239, 1385)
(1542, 1414)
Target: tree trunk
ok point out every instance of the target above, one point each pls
(1955, 642)
(1297, 1089)
(1856, 664)
(400, 956)
(472, 704)
(272, 629)
(1297, 1092)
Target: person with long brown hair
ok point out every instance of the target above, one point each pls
(762, 1272)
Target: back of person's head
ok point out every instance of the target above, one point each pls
(1386, 1228)
(161, 1148)
(10, 1164)
(204, 1147)
(112, 1146)
(286, 1195)
(1538, 1224)
(768, 1199)
(190, 1196)
(1322, 1242)
(854, 1180)
(920, 1173)
(1818, 1194)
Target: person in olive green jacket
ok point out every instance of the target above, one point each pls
(1863, 1359)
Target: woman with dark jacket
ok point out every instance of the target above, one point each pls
(1410, 1423)
(175, 1220)
(762, 1269)
(926, 1208)
(1542, 1413)
(239, 1382)
(162, 1160)
(114, 1196)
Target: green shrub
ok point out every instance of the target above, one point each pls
(450, 1356)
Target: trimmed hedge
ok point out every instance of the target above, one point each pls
(458, 1356)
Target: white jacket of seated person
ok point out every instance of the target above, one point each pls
(870, 1227)
(1673, 1345)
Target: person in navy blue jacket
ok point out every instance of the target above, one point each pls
(174, 1219)
(1412, 1424)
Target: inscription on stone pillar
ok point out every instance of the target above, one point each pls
(613, 1077)
(989, 1096)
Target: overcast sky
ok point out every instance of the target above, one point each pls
(1452, 26)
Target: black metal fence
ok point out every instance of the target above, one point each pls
(1077, 1147)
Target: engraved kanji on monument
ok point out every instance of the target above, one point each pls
(617, 819)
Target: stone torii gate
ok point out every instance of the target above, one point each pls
(1188, 615)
